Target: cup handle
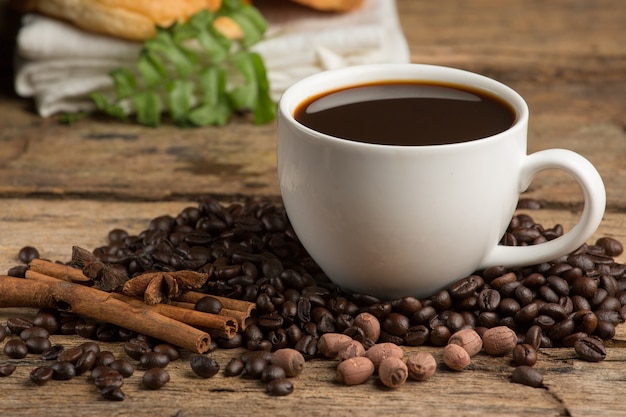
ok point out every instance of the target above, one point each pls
(595, 201)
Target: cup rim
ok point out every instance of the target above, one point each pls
(353, 76)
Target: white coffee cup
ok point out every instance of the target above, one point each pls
(394, 221)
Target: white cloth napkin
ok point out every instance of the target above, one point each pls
(59, 65)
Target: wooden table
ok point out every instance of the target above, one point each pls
(62, 186)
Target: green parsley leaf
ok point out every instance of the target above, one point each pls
(194, 74)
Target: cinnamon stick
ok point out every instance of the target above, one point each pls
(245, 307)
(60, 271)
(242, 318)
(216, 325)
(242, 311)
(99, 305)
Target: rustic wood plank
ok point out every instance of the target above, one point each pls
(568, 60)
(571, 387)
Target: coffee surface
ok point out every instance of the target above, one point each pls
(406, 113)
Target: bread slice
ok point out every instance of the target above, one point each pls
(332, 5)
(133, 20)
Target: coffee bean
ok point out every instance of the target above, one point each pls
(154, 360)
(155, 378)
(109, 379)
(37, 344)
(209, 304)
(590, 349)
(41, 375)
(113, 394)
(52, 353)
(235, 367)
(7, 370)
(527, 375)
(171, 351)
(63, 371)
(123, 366)
(71, 354)
(27, 254)
(47, 320)
(104, 358)
(396, 324)
(15, 349)
(17, 324)
(204, 366)
(524, 354)
(488, 300)
(611, 246)
(272, 372)
(279, 387)
(466, 287)
(135, 348)
(85, 362)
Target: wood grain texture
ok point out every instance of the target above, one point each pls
(70, 185)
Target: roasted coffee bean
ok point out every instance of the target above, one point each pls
(52, 353)
(424, 315)
(18, 324)
(41, 375)
(234, 367)
(527, 375)
(488, 300)
(71, 354)
(585, 287)
(442, 300)
(272, 372)
(554, 311)
(254, 367)
(85, 362)
(611, 246)
(279, 387)
(508, 307)
(135, 348)
(104, 358)
(562, 329)
(234, 342)
(123, 366)
(109, 379)
(204, 366)
(154, 360)
(439, 336)
(590, 349)
(307, 346)
(113, 393)
(466, 287)
(155, 378)
(47, 320)
(63, 371)
(3, 332)
(271, 321)
(86, 330)
(27, 254)
(15, 349)
(488, 319)
(569, 341)
(396, 324)
(37, 344)
(7, 370)
(106, 333)
(524, 295)
(171, 351)
(604, 330)
(502, 280)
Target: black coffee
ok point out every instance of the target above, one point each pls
(407, 113)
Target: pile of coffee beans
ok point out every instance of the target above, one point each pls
(251, 253)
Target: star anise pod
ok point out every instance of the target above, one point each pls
(104, 277)
(158, 287)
